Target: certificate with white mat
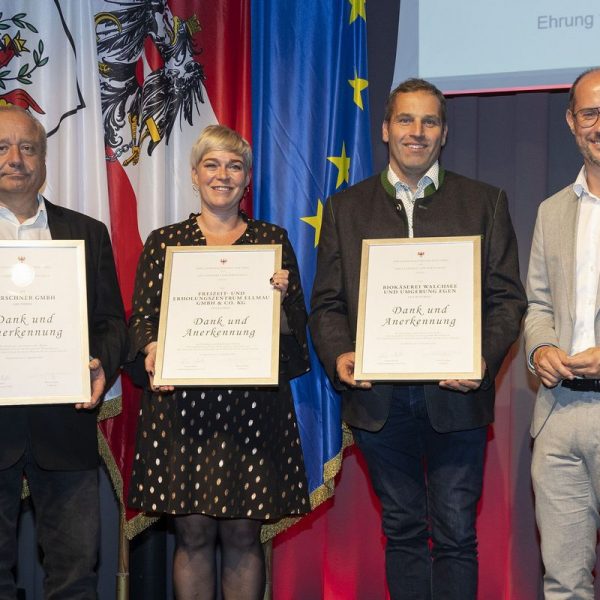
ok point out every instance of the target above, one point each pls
(419, 309)
(219, 316)
(44, 346)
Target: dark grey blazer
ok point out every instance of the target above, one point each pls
(460, 206)
(61, 437)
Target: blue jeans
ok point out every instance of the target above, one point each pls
(67, 517)
(429, 484)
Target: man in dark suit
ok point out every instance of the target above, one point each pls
(54, 446)
(424, 443)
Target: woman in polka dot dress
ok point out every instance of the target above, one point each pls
(221, 461)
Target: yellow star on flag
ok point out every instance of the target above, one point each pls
(358, 10)
(342, 162)
(359, 85)
(315, 221)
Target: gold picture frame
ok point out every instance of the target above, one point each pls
(419, 311)
(219, 316)
(44, 344)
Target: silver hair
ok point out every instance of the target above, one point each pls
(39, 128)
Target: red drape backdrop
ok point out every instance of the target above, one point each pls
(338, 552)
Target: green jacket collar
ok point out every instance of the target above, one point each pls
(429, 190)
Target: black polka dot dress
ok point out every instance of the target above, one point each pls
(230, 453)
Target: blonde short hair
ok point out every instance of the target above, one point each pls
(219, 137)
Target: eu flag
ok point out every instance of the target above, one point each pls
(310, 139)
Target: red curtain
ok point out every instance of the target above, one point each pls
(337, 553)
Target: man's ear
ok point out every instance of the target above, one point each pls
(570, 120)
(385, 134)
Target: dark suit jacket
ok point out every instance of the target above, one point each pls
(460, 206)
(61, 437)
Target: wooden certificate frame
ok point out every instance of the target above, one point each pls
(219, 316)
(419, 311)
(44, 345)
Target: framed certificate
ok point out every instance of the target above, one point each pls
(419, 310)
(44, 346)
(219, 316)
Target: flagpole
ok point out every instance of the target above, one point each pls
(123, 566)
(268, 550)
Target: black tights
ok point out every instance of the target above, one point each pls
(242, 558)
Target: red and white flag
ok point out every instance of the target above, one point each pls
(166, 70)
(123, 88)
(47, 49)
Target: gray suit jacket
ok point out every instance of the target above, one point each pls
(551, 292)
(367, 210)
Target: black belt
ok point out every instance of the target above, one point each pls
(582, 385)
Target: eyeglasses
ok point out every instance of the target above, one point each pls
(587, 117)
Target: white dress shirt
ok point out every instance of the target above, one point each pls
(587, 266)
(34, 228)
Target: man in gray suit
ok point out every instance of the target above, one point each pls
(562, 335)
(424, 443)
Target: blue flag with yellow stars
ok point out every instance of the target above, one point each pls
(310, 139)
